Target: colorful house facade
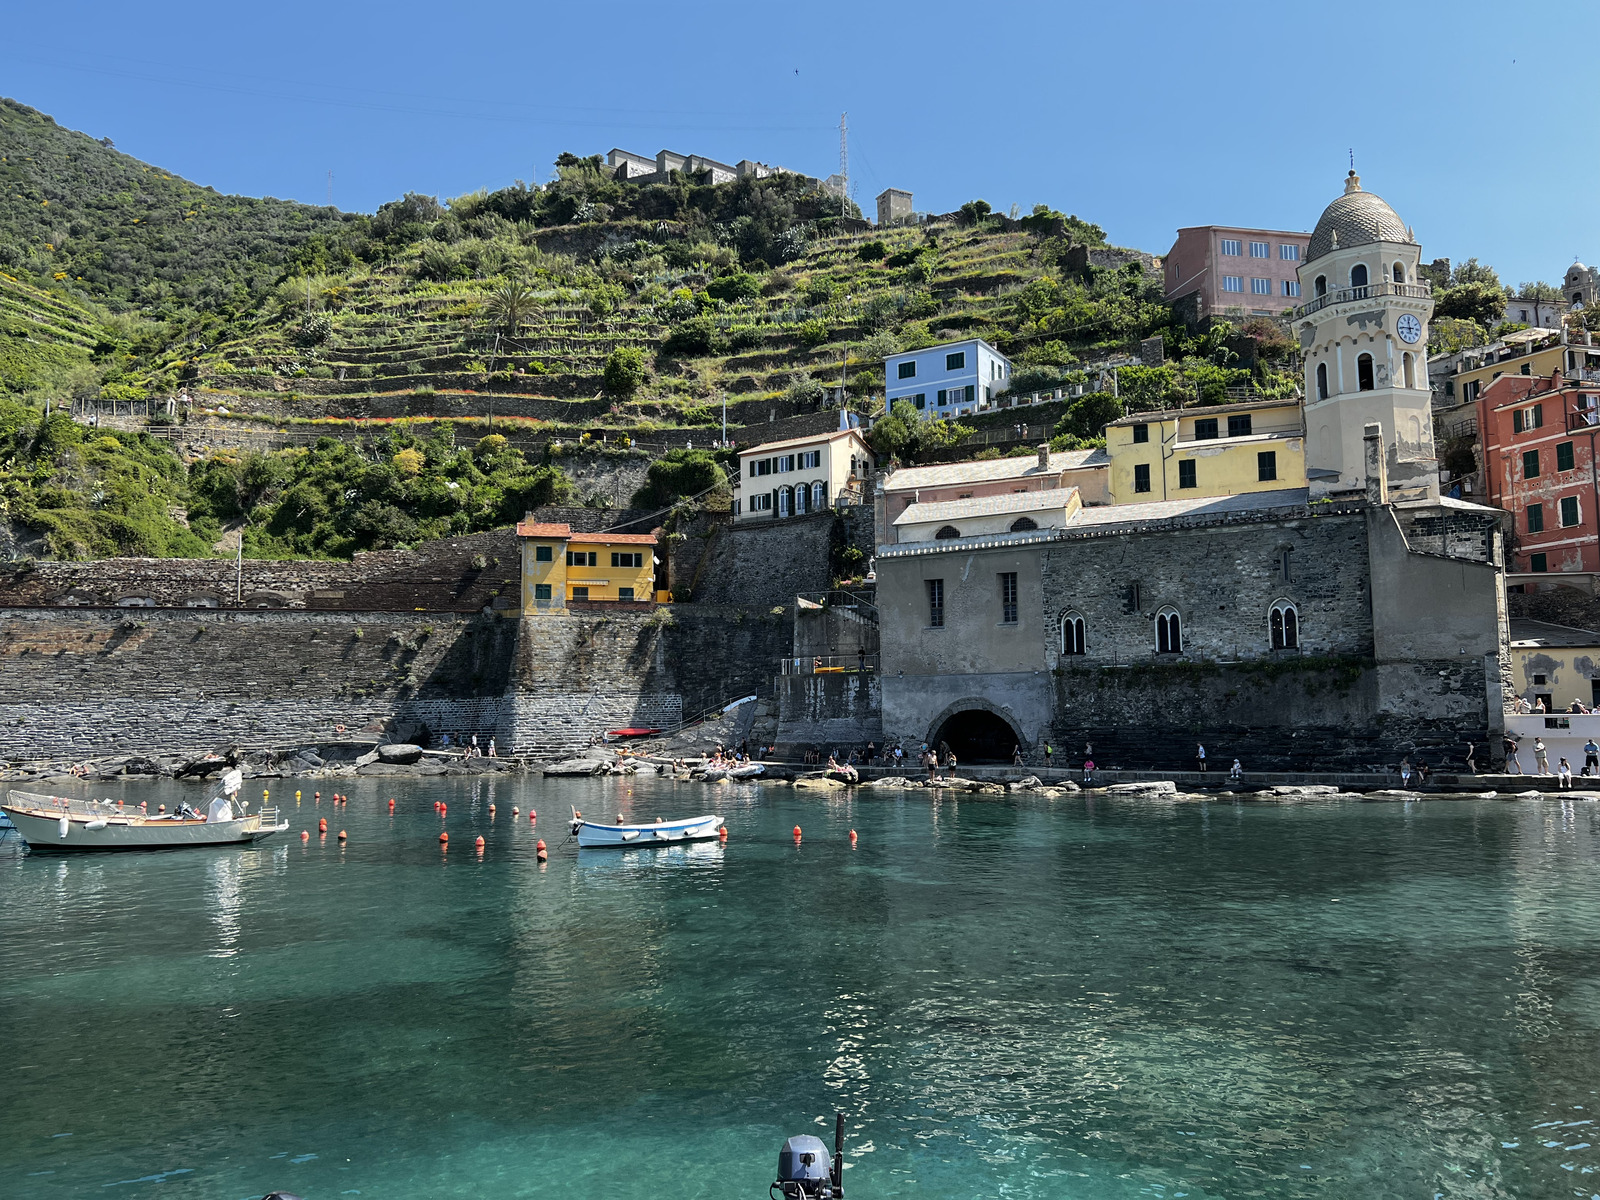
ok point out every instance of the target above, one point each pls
(1221, 450)
(560, 567)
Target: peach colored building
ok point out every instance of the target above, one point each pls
(1086, 471)
(1235, 273)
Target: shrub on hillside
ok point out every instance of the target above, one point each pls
(813, 332)
(873, 251)
(624, 371)
(677, 474)
(735, 288)
(694, 337)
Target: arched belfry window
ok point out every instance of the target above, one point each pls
(1322, 381)
(1283, 622)
(1410, 365)
(948, 531)
(1023, 524)
(1320, 287)
(1358, 275)
(1399, 273)
(1073, 630)
(1169, 631)
(1364, 372)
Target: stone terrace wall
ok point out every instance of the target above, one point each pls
(761, 564)
(442, 576)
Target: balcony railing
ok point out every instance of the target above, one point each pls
(1371, 291)
(831, 664)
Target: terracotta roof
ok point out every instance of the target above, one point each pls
(989, 470)
(614, 539)
(537, 529)
(802, 441)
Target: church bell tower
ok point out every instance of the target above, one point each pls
(1363, 326)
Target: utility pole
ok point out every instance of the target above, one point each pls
(724, 420)
(844, 166)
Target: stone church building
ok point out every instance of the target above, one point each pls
(1344, 624)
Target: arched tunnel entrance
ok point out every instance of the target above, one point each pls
(977, 736)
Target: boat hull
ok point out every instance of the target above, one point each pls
(633, 837)
(43, 833)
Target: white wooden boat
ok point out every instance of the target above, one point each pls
(61, 823)
(593, 835)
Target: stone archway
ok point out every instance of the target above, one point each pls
(978, 731)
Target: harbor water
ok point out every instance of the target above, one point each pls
(1010, 997)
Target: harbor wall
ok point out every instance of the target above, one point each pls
(829, 710)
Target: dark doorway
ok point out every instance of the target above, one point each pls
(977, 736)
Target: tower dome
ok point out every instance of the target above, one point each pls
(1356, 218)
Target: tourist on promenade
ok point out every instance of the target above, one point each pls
(950, 763)
(1472, 767)
(931, 761)
(1236, 772)
(1523, 705)
(474, 746)
(1511, 757)
(1016, 755)
(1200, 754)
(872, 752)
(1047, 753)
(899, 755)
(1539, 705)
(1088, 770)
(1564, 773)
(1422, 773)
(1541, 757)
(1591, 758)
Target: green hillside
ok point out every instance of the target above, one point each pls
(578, 305)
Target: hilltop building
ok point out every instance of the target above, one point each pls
(948, 380)
(1579, 285)
(1225, 271)
(636, 168)
(894, 206)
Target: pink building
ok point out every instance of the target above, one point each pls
(1227, 272)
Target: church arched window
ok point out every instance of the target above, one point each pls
(1322, 381)
(947, 531)
(1358, 276)
(819, 496)
(1364, 372)
(1023, 524)
(1320, 287)
(1283, 621)
(1399, 273)
(1073, 629)
(1169, 631)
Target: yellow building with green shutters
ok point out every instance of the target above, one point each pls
(560, 567)
(1220, 450)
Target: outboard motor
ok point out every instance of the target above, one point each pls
(804, 1170)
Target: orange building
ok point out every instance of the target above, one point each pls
(560, 567)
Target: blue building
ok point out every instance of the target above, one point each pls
(948, 380)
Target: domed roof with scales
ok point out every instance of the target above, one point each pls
(1356, 218)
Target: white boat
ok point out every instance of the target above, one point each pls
(592, 835)
(61, 823)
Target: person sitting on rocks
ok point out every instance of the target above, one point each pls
(1236, 772)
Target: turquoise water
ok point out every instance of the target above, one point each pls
(1010, 998)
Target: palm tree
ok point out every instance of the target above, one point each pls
(510, 305)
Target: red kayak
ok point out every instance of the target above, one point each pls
(630, 732)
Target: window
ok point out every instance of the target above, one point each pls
(783, 501)
(628, 559)
(541, 591)
(1266, 466)
(1141, 433)
(1283, 562)
(1231, 247)
(819, 496)
(1072, 639)
(784, 463)
(761, 502)
(1322, 381)
(935, 603)
(801, 491)
(811, 460)
(1233, 283)
(920, 399)
(1530, 464)
(1023, 525)
(1320, 287)
(1284, 626)
(956, 361)
(1358, 275)
(544, 554)
(1169, 632)
(624, 593)
(1141, 477)
(759, 466)
(1289, 253)
(1260, 250)
(1569, 511)
(1564, 456)
(1186, 473)
(1535, 518)
(580, 593)
(946, 532)
(1260, 287)
(906, 370)
(1536, 564)
(1205, 429)
(1239, 425)
(1291, 287)
(1399, 273)
(1008, 597)
(583, 558)
(1410, 371)
(1364, 372)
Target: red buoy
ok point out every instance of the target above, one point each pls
(391, 805)
(342, 835)
(797, 833)
(479, 842)
(322, 825)
(532, 813)
(852, 837)
(444, 837)
(305, 835)
(722, 834)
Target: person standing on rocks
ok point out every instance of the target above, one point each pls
(1591, 758)
(1048, 751)
(1564, 773)
(1200, 754)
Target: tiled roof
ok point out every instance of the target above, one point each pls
(615, 539)
(536, 529)
(989, 470)
(1164, 510)
(1542, 633)
(803, 441)
(987, 506)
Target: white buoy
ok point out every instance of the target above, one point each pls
(65, 824)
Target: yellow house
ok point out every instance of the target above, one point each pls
(1220, 450)
(559, 566)
(1555, 663)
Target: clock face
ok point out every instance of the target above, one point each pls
(1408, 327)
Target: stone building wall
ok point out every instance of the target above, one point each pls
(829, 710)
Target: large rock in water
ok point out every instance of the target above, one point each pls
(576, 766)
(400, 753)
(1152, 787)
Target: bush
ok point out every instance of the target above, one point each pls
(735, 288)
(805, 390)
(695, 336)
(677, 474)
(314, 329)
(625, 371)
(408, 462)
(820, 292)
(874, 251)
(814, 332)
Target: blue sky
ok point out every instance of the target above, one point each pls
(1142, 117)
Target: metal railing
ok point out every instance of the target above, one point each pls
(831, 664)
(865, 606)
(1371, 291)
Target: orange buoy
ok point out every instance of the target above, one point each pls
(444, 837)
(722, 833)
(797, 833)
(391, 805)
(305, 835)
(322, 825)
(479, 842)
(342, 835)
(852, 837)
(443, 808)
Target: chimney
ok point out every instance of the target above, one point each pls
(1377, 467)
(1044, 456)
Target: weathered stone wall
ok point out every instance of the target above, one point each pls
(830, 710)
(760, 564)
